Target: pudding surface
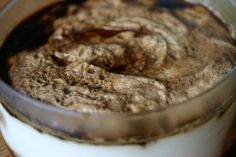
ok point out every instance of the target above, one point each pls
(126, 56)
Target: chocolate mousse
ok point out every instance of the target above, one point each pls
(126, 56)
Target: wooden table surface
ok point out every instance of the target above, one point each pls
(3, 3)
(4, 152)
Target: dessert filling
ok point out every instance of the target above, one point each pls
(126, 56)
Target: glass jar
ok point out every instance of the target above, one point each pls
(199, 127)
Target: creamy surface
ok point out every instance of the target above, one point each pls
(126, 56)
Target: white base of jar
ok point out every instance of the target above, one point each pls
(206, 140)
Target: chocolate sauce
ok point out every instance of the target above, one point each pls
(32, 33)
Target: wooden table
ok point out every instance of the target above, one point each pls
(4, 152)
(3, 3)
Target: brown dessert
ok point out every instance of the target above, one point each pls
(126, 56)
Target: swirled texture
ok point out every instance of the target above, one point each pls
(124, 56)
